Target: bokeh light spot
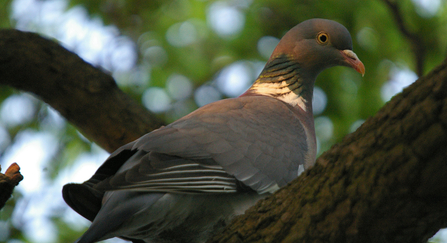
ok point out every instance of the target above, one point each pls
(17, 109)
(206, 94)
(319, 101)
(400, 78)
(324, 128)
(234, 79)
(179, 86)
(226, 20)
(156, 56)
(156, 99)
(266, 45)
(181, 34)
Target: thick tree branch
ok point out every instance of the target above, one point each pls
(85, 96)
(416, 42)
(386, 182)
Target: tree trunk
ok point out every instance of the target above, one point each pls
(386, 182)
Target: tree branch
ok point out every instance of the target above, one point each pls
(85, 96)
(386, 182)
(416, 42)
(8, 181)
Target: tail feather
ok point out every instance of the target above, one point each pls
(116, 212)
(83, 199)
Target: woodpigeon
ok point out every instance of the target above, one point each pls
(184, 181)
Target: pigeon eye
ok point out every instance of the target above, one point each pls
(322, 38)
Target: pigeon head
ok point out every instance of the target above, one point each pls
(303, 52)
(317, 44)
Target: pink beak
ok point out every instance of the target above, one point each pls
(353, 61)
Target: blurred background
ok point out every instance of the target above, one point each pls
(174, 56)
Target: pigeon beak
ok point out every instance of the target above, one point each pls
(353, 61)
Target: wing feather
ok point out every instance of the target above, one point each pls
(257, 140)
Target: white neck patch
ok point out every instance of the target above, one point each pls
(281, 91)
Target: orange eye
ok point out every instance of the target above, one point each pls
(322, 38)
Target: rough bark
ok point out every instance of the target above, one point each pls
(386, 182)
(8, 181)
(87, 97)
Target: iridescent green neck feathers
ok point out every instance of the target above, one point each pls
(281, 79)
